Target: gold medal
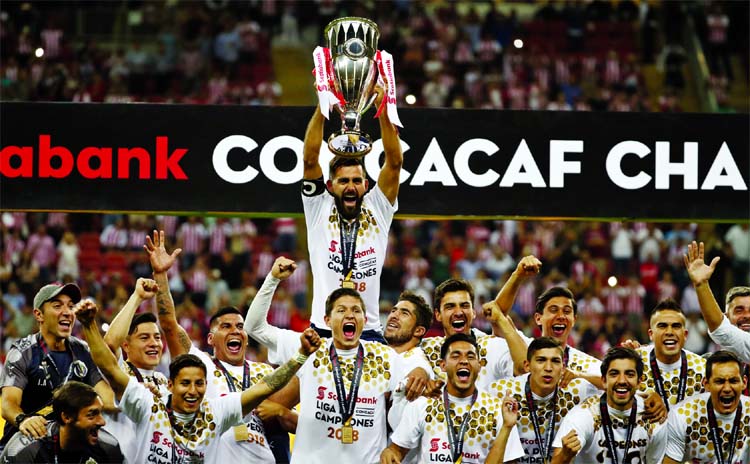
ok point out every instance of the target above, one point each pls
(348, 284)
(347, 435)
(240, 432)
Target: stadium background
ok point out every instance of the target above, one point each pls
(579, 56)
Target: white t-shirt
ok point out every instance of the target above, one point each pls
(424, 426)
(646, 445)
(670, 374)
(120, 425)
(732, 338)
(494, 358)
(567, 398)
(688, 436)
(319, 426)
(255, 446)
(323, 243)
(154, 431)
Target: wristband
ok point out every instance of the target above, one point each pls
(300, 358)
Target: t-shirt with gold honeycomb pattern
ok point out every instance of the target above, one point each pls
(646, 445)
(494, 358)
(688, 436)
(256, 446)
(670, 374)
(578, 361)
(154, 431)
(319, 426)
(424, 425)
(567, 398)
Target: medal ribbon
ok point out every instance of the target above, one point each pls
(659, 382)
(457, 440)
(347, 402)
(546, 451)
(348, 246)
(230, 379)
(609, 436)
(715, 433)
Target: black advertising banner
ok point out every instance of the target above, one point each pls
(457, 163)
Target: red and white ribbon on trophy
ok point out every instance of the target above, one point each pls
(326, 90)
(385, 68)
(324, 81)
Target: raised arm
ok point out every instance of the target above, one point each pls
(503, 326)
(700, 273)
(103, 357)
(510, 417)
(256, 320)
(389, 178)
(145, 289)
(178, 340)
(528, 266)
(311, 148)
(253, 396)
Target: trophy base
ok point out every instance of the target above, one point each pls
(350, 144)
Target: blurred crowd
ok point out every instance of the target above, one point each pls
(618, 271)
(561, 56)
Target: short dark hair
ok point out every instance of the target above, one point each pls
(721, 356)
(667, 304)
(70, 398)
(621, 352)
(458, 337)
(184, 361)
(222, 312)
(341, 292)
(452, 285)
(141, 318)
(554, 292)
(340, 162)
(542, 343)
(735, 292)
(423, 310)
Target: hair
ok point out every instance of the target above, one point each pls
(183, 361)
(339, 162)
(341, 292)
(721, 356)
(423, 311)
(70, 398)
(458, 337)
(735, 292)
(554, 292)
(141, 318)
(620, 352)
(222, 312)
(542, 343)
(452, 285)
(667, 304)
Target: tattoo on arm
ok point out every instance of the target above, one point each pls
(164, 302)
(184, 340)
(281, 376)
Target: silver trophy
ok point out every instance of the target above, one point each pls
(353, 43)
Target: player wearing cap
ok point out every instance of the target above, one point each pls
(38, 364)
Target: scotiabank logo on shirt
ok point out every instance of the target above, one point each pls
(365, 264)
(327, 409)
(161, 448)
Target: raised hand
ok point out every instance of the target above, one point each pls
(146, 288)
(283, 268)
(510, 410)
(161, 261)
(528, 266)
(696, 267)
(310, 341)
(86, 311)
(655, 409)
(571, 445)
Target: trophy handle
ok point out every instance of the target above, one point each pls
(369, 103)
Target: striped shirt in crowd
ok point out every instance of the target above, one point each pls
(114, 237)
(42, 249)
(191, 236)
(217, 237)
